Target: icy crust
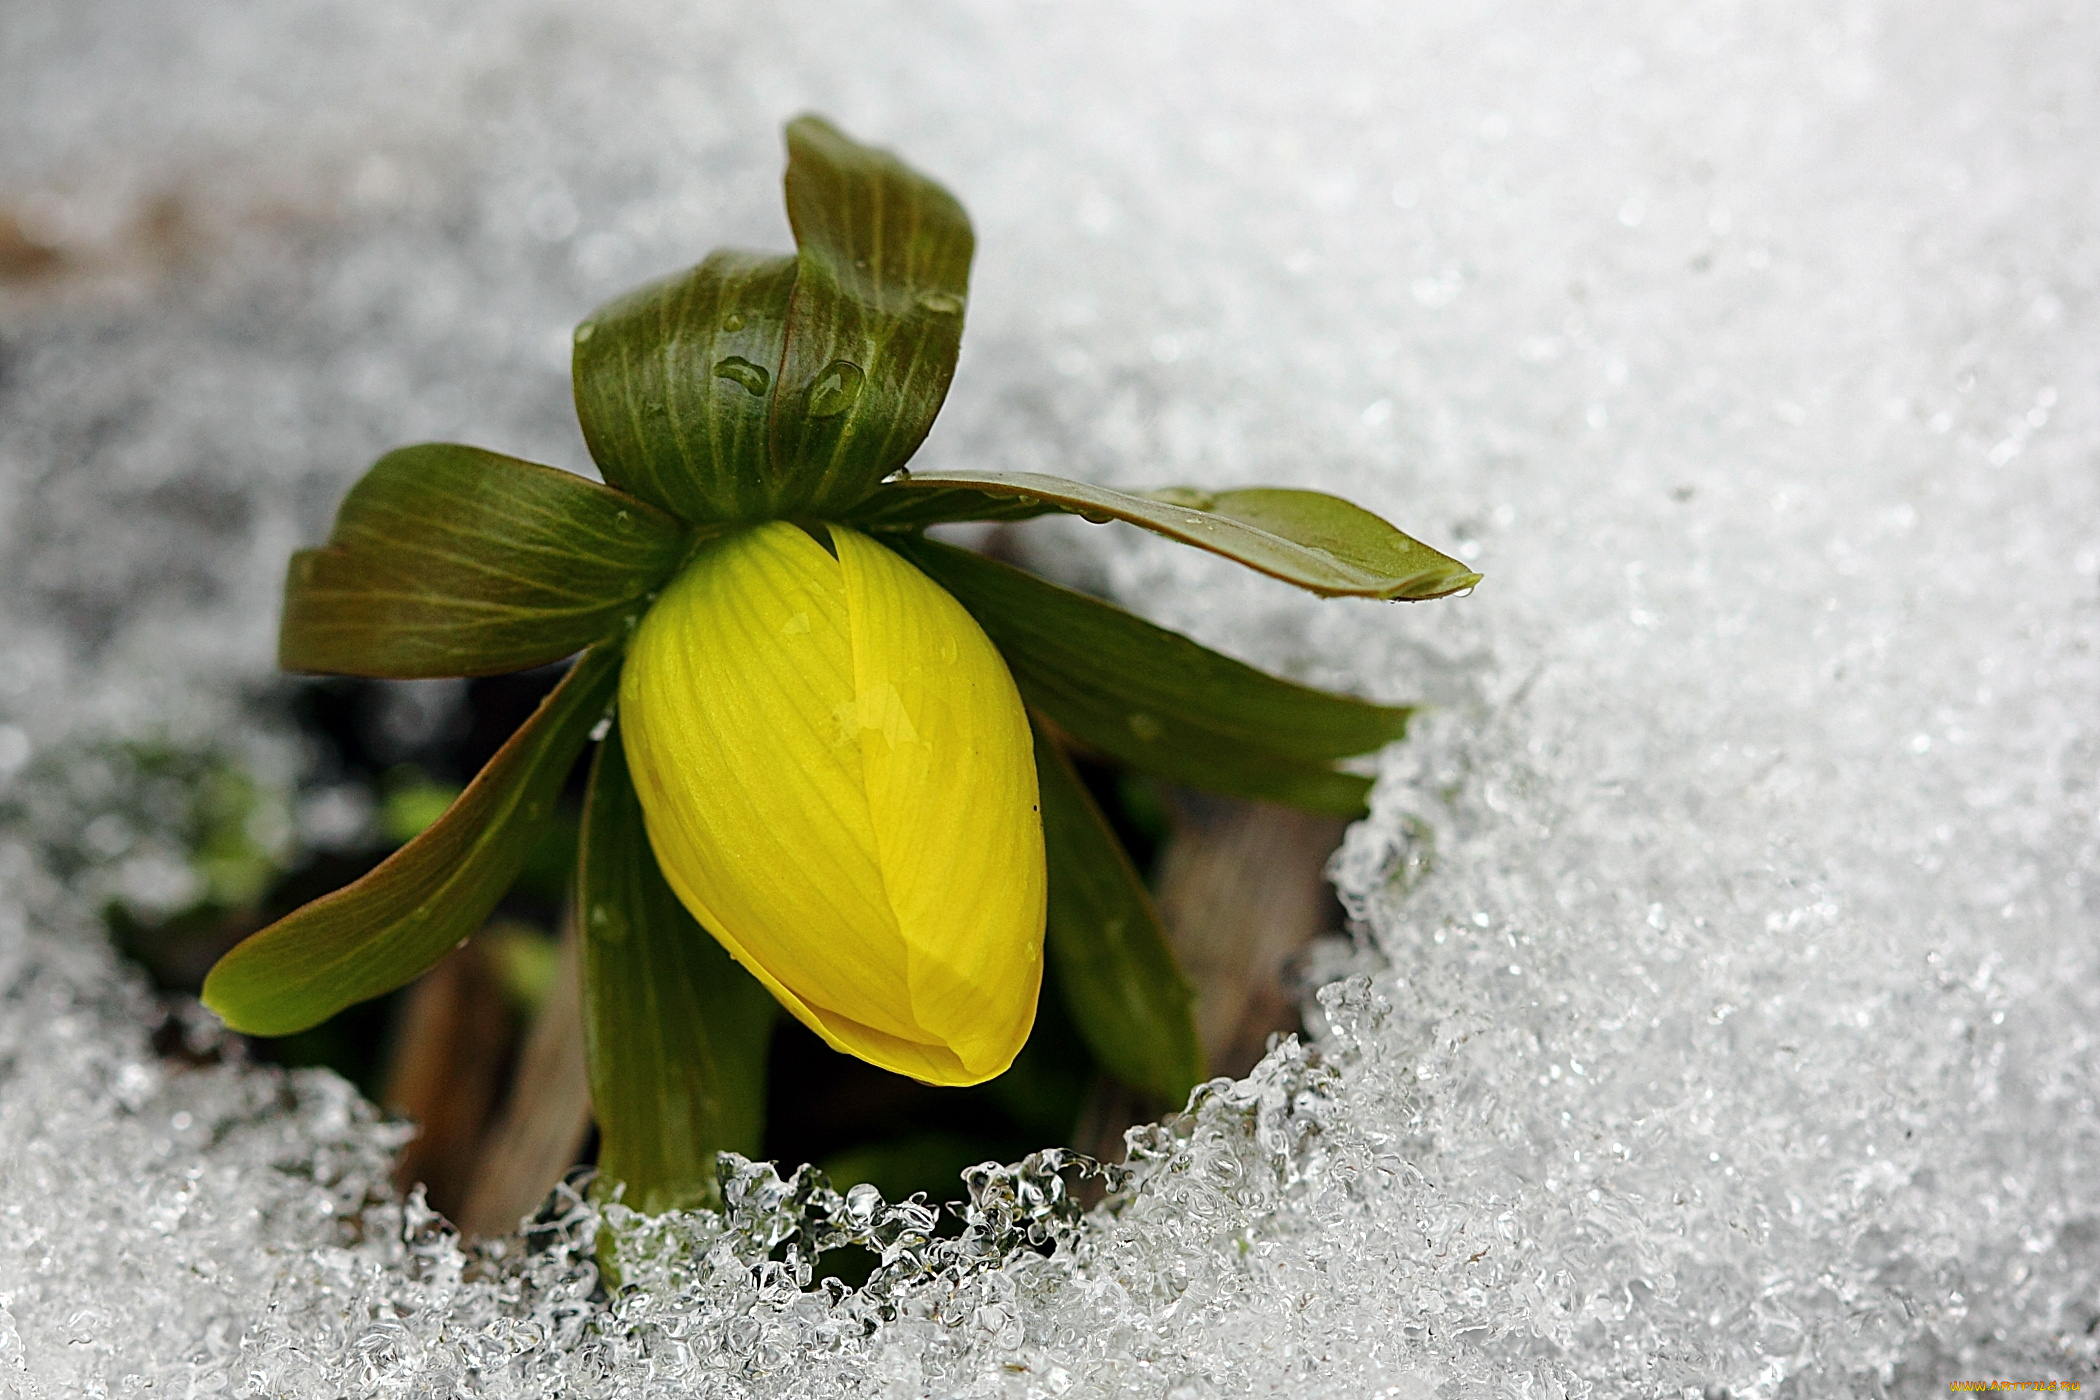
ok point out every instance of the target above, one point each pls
(1335, 1224)
(253, 1249)
(1745, 1132)
(151, 1196)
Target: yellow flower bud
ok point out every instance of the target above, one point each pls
(837, 778)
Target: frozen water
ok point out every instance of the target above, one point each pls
(1721, 1017)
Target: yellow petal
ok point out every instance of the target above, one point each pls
(837, 779)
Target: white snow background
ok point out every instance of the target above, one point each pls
(1729, 930)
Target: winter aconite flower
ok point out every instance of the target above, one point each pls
(837, 778)
(831, 763)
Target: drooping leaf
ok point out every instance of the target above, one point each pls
(1319, 542)
(1120, 980)
(676, 1032)
(390, 926)
(452, 561)
(877, 315)
(676, 385)
(1159, 702)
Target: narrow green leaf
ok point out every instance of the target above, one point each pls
(883, 273)
(452, 561)
(1318, 542)
(1120, 980)
(676, 385)
(676, 1032)
(390, 926)
(890, 512)
(1156, 700)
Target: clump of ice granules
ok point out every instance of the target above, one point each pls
(1718, 1011)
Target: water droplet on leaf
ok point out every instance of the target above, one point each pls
(742, 373)
(734, 321)
(835, 389)
(940, 303)
(1095, 517)
(586, 331)
(623, 521)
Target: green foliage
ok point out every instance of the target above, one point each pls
(1120, 981)
(884, 270)
(674, 1029)
(756, 388)
(452, 561)
(676, 384)
(392, 925)
(1319, 542)
(1156, 700)
(412, 804)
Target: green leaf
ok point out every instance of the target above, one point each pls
(1319, 542)
(676, 385)
(890, 512)
(452, 561)
(390, 926)
(757, 388)
(676, 1031)
(1157, 701)
(1120, 980)
(877, 316)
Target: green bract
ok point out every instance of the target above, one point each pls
(760, 388)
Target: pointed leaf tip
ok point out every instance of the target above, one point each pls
(1318, 542)
(390, 926)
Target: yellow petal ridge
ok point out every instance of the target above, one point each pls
(837, 779)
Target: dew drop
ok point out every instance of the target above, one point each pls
(835, 389)
(901, 474)
(623, 521)
(1095, 517)
(586, 331)
(734, 321)
(940, 303)
(742, 373)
